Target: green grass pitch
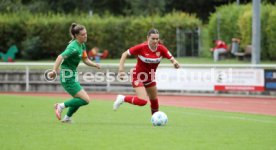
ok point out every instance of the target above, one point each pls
(29, 123)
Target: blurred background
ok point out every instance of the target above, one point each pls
(39, 28)
(224, 105)
(37, 31)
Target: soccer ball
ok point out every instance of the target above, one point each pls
(159, 119)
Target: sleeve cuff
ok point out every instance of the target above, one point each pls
(128, 52)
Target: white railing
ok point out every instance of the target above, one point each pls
(114, 66)
(161, 65)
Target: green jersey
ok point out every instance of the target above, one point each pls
(72, 55)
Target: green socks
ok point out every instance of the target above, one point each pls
(71, 111)
(74, 104)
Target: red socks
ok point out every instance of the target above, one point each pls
(141, 102)
(135, 100)
(154, 105)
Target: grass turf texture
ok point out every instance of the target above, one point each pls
(29, 123)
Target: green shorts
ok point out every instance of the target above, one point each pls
(70, 84)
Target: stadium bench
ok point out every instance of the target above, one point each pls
(246, 54)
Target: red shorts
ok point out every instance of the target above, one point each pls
(147, 84)
(144, 79)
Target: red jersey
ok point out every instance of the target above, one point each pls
(147, 59)
(220, 44)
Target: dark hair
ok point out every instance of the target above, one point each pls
(75, 29)
(153, 31)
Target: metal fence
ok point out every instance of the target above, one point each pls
(187, 42)
(30, 77)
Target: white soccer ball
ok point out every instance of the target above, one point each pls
(159, 118)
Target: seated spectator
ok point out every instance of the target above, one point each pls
(104, 54)
(235, 46)
(94, 54)
(220, 48)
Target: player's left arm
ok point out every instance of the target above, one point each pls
(175, 63)
(168, 55)
(89, 62)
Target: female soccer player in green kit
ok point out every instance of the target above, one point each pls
(69, 61)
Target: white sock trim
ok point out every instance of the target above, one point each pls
(66, 117)
(62, 105)
(132, 100)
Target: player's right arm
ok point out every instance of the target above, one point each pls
(69, 51)
(58, 62)
(53, 73)
(122, 63)
(131, 51)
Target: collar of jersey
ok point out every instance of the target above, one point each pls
(152, 49)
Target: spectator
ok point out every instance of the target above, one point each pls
(94, 54)
(235, 46)
(220, 48)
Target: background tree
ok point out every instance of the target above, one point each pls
(146, 7)
(11, 6)
(201, 8)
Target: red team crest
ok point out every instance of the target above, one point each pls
(157, 54)
(136, 83)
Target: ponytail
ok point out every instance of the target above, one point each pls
(74, 30)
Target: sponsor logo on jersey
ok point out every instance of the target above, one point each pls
(150, 60)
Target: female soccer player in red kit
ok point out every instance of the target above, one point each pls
(149, 55)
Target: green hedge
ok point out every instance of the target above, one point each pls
(271, 35)
(228, 22)
(116, 34)
(236, 21)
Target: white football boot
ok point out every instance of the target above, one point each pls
(58, 111)
(118, 102)
(66, 119)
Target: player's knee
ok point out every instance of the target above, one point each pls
(86, 99)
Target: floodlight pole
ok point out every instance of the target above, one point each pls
(256, 32)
